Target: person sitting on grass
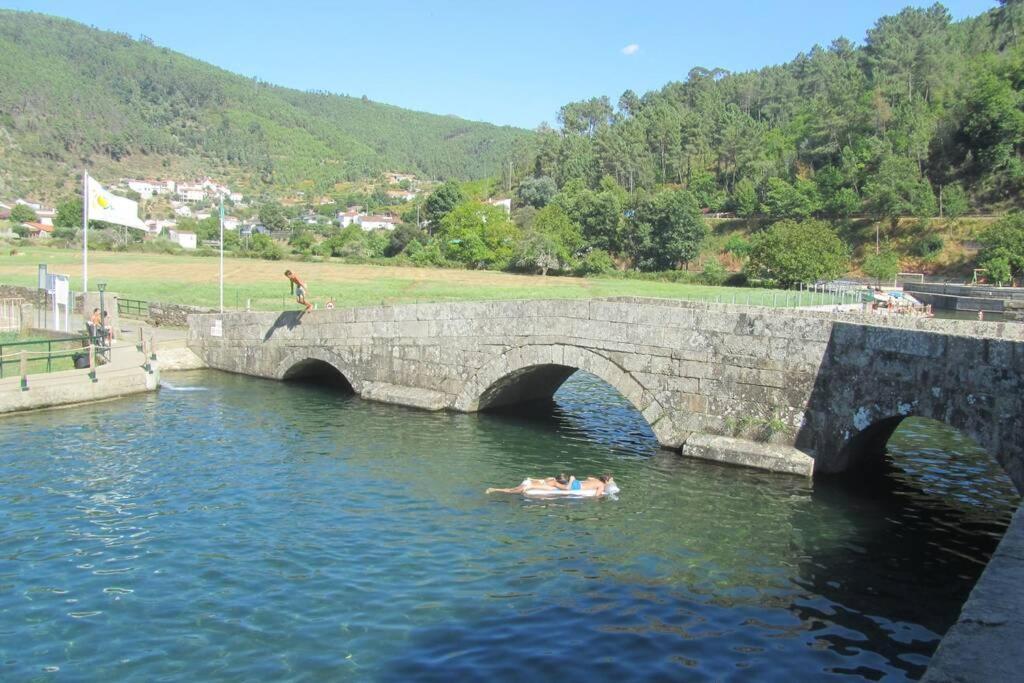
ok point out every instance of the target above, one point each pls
(299, 288)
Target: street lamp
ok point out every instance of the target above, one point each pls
(101, 287)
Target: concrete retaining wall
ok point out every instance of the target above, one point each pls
(73, 387)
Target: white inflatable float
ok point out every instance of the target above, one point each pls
(535, 489)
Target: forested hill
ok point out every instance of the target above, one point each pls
(70, 94)
(926, 115)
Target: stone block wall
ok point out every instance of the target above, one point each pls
(808, 379)
(172, 315)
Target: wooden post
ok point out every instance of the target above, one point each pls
(152, 347)
(24, 370)
(92, 362)
(142, 342)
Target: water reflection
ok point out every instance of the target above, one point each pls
(263, 529)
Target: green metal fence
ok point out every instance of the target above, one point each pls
(45, 355)
(132, 307)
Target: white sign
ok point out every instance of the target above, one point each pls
(217, 329)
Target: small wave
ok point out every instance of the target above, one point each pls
(171, 387)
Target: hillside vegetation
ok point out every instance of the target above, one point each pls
(71, 95)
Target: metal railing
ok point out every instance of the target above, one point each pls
(31, 361)
(132, 307)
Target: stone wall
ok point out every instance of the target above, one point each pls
(826, 385)
(1014, 311)
(172, 315)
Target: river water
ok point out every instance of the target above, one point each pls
(256, 530)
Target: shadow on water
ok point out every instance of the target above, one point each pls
(927, 521)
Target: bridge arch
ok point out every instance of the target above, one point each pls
(311, 361)
(865, 449)
(532, 372)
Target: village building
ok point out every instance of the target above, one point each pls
(186, 239)
(352, 215)
(377, 222)
(38, 230)
(402, 195)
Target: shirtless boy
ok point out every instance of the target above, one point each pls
(300, 289)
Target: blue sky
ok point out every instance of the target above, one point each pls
(513, 62)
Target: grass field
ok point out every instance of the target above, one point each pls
(193, 280)
(37, 348)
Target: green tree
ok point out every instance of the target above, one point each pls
(441, 201)
(69, 214)
(795, 202)
(537, 192)
(272, 215)
(23, 214)
(666, 229)
(791, 252)
(882, 267)
(552, 242)
(1002, 251)
(477, 235)
(954, 201)
(897, 189)
(263, 247)
(402, 236)
(744, 198)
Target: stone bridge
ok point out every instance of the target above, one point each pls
(787, 390)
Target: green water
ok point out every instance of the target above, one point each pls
(255, 530)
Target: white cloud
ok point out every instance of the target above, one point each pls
(631, 49)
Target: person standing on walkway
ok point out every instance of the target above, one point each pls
(299, 288)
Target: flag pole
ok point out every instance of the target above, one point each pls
(222, 253)
(85, 232)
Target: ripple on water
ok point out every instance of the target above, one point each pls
(260, 530)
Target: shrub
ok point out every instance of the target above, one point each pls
(595, 262)
(714, 273)
(738, 246)
(928, 246)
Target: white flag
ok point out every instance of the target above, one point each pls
(104, 206)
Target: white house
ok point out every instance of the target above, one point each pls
(377, 222)
(403, 195)
(35, 206)
(158, 226)
(187, 240)
(145, 188)
(182, 210)
(347, 218)
(202, 215)
(236, 196)
(231, 223)
(191, 193)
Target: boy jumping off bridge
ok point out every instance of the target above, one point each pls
(299, 288)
